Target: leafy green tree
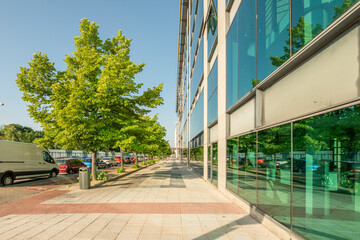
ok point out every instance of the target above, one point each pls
(83, 106)
(16, 132)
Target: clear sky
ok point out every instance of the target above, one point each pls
(29, 26)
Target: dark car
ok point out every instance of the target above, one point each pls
(69, 165)
(101, 164)
(299, 165)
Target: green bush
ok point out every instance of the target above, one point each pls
(120, 170)
(100, 175)
(136, 166)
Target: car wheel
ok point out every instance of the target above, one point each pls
(71, 171)
(53, 174)
(7, 180)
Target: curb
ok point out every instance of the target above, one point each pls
(120, 176)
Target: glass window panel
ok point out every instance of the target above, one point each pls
(197, 117)
(209, 162)
(247, 47)
(273, 35)
(212, 26)
(326, 161)
(232, 165)
(247, 167)
(232, 63)
(241, 53)
(213, 107)
(213, 94)
(215, 164)
(198, 71)
(273, 161)
(309, 18)
(197, 160)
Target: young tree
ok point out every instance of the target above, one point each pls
(84, 105)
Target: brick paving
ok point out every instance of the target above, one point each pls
(164, 201)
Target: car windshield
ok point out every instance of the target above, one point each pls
(60, 161)
(106, 158)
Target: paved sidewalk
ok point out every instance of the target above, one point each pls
(164, 201)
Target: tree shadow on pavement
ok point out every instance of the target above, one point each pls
(223, 230)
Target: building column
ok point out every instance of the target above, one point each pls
(205, 82)
(222, 116)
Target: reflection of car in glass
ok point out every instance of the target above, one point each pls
(299, 165)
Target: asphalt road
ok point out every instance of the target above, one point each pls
(27, 187)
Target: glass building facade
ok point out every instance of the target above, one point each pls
(267, 98)
(305, 174)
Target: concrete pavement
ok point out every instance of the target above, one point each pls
(164, 201)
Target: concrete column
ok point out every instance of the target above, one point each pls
(206, 73)
(222, 116)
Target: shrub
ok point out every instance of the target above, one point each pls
(136, 166)
(120, 170)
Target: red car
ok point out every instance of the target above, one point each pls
(69, 165)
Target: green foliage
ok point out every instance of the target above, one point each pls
(339, 10)
(150, 162)
(96, 94)
(18, 133)
(255, 82)
(100, 176)
(135, 166)
(95, 100)
(120, 170)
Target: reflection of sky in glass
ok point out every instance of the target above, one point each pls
(197, 117)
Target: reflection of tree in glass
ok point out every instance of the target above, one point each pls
(339, 10)
(301, 36)
(275, 140)
(297, 40)
(247, 144)
(231, 146)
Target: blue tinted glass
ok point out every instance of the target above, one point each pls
(213, 107)
(309, 18)
(197, 117)
(232, 64)
(212, 93)
(213, 79)
(247, 47)
(273, 26)
(198, 70)
(211, 27)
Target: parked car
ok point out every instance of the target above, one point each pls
(118, 160)
(101, 164)
(299, 166)
(24, 160)
(69, 165)
(87, 162)
(109, 161)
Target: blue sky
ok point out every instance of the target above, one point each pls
(29, 26)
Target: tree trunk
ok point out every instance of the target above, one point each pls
(93, 168)
(122, 158)
(143, 158)
(136, 160)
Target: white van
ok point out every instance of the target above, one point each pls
(24, 160)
